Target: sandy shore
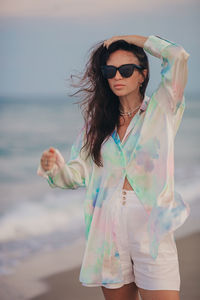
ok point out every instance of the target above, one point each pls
(65, 285)
(189, 249)
(45, 277)
(54, 275)
(27, 281)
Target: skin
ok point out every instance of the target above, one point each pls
(126, 292)
(48, 159)
(131, 292)
(128, 94)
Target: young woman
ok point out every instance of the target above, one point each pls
(124, 156)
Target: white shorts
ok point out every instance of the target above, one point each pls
(133, 242)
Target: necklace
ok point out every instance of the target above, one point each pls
(128, 113)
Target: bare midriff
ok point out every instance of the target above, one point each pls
(127, 185)
(121, 132)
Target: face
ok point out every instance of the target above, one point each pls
(119, 85)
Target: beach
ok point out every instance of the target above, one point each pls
(54, 274)
(64, 285)
(45, 51)
(33, 281)
(42, 229)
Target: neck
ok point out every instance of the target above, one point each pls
(129, 102)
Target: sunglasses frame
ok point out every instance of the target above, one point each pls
(104, 67)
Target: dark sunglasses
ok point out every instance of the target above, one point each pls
(125, 70)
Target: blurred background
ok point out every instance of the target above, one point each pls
(41, 44)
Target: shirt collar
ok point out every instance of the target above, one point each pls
(142, 108)
(144, 104)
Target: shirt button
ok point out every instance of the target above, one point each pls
(124, 202)
(124, 198)
(123, 193)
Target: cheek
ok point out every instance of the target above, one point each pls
(132, 82)
(135, 77)
(110, 83)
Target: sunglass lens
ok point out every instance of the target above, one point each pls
(126, 70)
(108, 71)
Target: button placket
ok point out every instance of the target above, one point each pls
(123, 198)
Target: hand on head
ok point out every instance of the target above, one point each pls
(115, 38)
(108, 42)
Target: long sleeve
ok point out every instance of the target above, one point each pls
(174, 72)
(71, 174)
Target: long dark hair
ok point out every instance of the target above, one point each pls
(100, 106)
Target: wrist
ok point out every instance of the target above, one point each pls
(138, 40)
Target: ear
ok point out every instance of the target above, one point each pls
(144, 72)
(143, 75)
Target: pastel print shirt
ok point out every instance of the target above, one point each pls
(145, 156)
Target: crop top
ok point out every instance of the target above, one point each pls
(145, 156)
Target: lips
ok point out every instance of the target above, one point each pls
(118, 85)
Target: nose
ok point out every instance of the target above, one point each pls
(118, 75)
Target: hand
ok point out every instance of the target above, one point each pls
(48, 159)
(108, 42)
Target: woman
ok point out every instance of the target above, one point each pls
(124, 155)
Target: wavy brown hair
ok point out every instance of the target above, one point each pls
(100, 106)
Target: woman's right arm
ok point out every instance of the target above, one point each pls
(70, 175)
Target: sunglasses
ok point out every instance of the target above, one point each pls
(125, 70)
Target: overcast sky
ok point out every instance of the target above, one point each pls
(44, 41)
(70, 8)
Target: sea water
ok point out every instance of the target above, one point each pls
(33, 216)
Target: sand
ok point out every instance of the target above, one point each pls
(189, 250)
(54, 275)
(65, 285)
(32, 279)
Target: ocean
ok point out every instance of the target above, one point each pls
(35, 217)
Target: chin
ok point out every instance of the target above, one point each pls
(120, 93)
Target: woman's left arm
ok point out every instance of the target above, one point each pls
(174, 72)
(138, 40)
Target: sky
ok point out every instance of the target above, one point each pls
(70, 8)
(43, 42)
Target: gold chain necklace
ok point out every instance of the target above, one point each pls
(128, 113)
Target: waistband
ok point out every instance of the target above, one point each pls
(128, 193)
(128, 197)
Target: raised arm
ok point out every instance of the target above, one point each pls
(138, 40)
(174, 70)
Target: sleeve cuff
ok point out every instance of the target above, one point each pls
(155, 44)
(41, 172)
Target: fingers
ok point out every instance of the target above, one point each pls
(48, 159)
(108, 42)
(52, 150)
